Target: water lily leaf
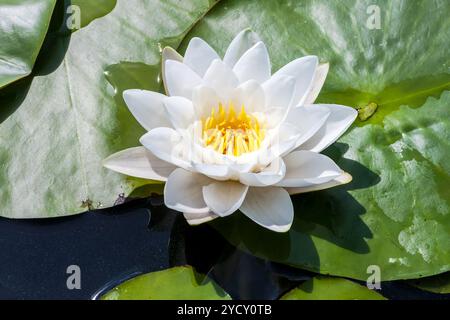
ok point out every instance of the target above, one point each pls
(396, 212)
(324, 288)
(90, 10)
(180, 283)
(23, 27)
(436, 284)
(56, 128)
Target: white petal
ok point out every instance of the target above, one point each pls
(341, 180)
(272, 117)
(270, 175)
(308, 120)
(219, 172)
(240, 44)
(318, 82)
(300, 124)
(180, 79)
(221, 78)
(204, 99)
(180, 111)
(270, 207)
(139, 162)
(340, 119)
(254, 64)
(147, 107)
(224, 198)
(306, 168)
(199, 56)
(168, 54)
(167, 144)
(195, 219)
(303, 70)
(284, 140)
(279, 91)
(250, 95)
(183, 192)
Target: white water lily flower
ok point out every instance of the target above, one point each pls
(231, 136)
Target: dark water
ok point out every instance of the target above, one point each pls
(113, 245)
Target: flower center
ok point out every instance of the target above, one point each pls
(230, 133)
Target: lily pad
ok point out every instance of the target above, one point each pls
(394, 215)
(180, 283)
(57, 127)
(90, 10)
(436, 284)
(23, 27)
(396, 212)
(323, 288)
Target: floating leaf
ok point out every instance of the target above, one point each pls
(323, 288)
(23, 27)
(180, 283)
(90, 10)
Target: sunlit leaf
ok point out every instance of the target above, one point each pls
(58, 126)
(23, 26)
(180, 283)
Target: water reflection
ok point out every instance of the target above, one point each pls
(242, 275)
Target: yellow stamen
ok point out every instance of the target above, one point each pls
(230, 133)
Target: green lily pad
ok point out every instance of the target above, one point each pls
(180, 283)
(23, 27)
(396, 212)
(323, 288)
(90, 10)
(436, 284)
(56, 128)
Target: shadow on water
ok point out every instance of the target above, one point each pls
(51, 55)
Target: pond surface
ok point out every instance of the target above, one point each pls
(142, 236)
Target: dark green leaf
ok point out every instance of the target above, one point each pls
(322, 288)
(436, 284)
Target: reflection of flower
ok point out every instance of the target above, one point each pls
(231, 136)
